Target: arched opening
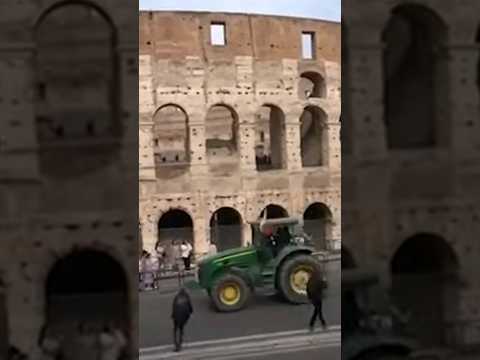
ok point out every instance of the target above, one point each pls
(170, 141)
(221, 134)
(274, 212)
(425, 268)
(270, 145)
(317, 220)
(174, 226)
(86, 286)
(314, 137)
(416, 78)
(311, 85)
(76, 89)
(226, 229)
(348, 262)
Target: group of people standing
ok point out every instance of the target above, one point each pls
(168, 256)
(86, 341)
(172, 257)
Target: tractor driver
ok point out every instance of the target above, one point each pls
(272, 240)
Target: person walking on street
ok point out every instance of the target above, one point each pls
(182, 309)
(186, 253)
(316, 287)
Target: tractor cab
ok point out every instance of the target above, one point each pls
(271, 236)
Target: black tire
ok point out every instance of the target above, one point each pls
(290, 266)
(235, 281)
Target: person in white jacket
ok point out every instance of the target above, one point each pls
(186, 253)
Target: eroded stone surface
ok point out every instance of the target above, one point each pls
(209, 113)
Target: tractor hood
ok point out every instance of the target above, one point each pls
(228, 254)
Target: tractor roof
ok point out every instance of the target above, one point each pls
(279, 221)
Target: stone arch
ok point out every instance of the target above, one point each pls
(174, 226)
(274, 211)
(171, 140)
(91, 4)
(226, 228)
(348, 260)
(270, 138)
(416, 78)
(86, 284)
(66, 72)
(314, 137)
(312, 85)
(317, 222)
(426, 267)
(222, 135)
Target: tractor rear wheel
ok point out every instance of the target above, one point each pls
(230, 292)
(293, 277)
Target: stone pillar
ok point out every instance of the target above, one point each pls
(27, 301)
(293, 142)
(366, 106)
(197, 146)
(146, 159)
(333, 145)
(460, 113)
(149, 235)
(246, 145)
(336, 228)
(200, 232)
(246, 234)
(18, 126)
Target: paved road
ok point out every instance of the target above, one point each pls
(266, 314)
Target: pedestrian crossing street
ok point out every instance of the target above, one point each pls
(249, 347)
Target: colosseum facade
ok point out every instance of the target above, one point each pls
(238, 113)
(68, 150)
(411, 145)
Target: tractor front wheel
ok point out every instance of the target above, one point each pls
(229, 293)
(293, 278)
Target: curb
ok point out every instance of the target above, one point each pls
(249, 345)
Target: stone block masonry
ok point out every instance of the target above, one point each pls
(229, 130)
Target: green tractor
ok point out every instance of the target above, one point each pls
(281, 258)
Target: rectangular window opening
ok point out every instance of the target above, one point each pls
(308, 45)
(217, 34)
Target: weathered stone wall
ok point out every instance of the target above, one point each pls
(255, 76)
(51, 202)
(395, 189)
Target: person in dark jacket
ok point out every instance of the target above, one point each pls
(182, 309)
(315, 288)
